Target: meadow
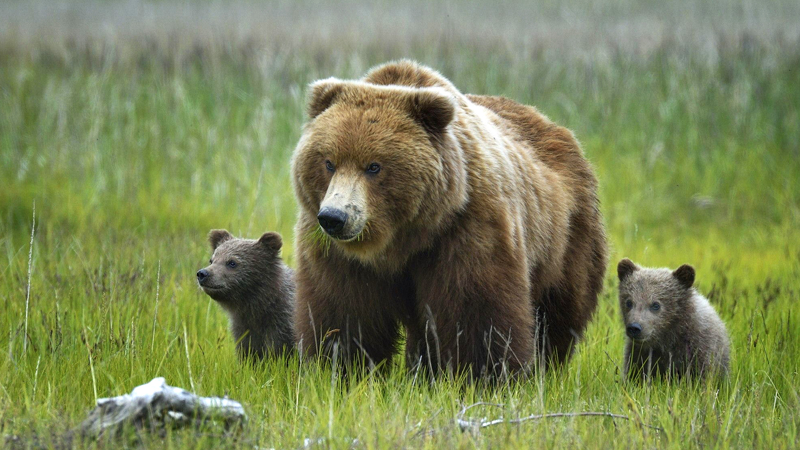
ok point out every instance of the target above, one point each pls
(129, 129)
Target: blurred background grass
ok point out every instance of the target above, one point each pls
(135, 127)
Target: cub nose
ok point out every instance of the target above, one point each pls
(332, 220)
(634, 330)
(202, 274)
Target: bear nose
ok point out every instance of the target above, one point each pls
(202, 274)
(634, 330)
(332, 220)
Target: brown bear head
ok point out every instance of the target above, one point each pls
(238, 267)
(377, 160)
(653, 301)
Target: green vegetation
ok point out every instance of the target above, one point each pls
(133, 144)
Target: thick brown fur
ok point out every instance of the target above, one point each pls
(480, 234)
(680, 333)
(255, 288)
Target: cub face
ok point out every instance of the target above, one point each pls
(652, 301)
(366, 163)
(236, 267)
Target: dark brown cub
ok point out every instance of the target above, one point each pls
(248, 279)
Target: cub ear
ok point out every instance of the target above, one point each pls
(625, 268)
(271, 240)
(322, 94)
(685, 275)
(434, 109)
(216, 237)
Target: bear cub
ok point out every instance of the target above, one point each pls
(252, 284)
(672, 330)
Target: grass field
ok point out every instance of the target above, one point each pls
(133, 128)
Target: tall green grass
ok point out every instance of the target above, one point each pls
(132, 150)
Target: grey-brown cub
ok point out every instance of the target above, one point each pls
(252, 284)
(672, 329)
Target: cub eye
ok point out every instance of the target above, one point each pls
(655, 306)
(329, 166)
(629, 304)
(211, 261)
(374, 168)
(231, 264)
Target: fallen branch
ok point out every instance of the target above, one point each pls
(156, 404)
(474, 425)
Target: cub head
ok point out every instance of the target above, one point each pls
(371, 160)
(652, 300)
(238, 266)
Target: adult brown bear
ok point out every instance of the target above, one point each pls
(470, 220)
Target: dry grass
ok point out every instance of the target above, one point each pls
(259, 32)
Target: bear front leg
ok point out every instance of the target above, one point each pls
(339, 309)
(641, 362)
(634, 362)
(473, 314)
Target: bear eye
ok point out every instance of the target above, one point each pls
(629, 304)
(655, 306)
(231, 264)
(329, 165)
(374, 168)
(211, 261)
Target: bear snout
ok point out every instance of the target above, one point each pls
(202, 275)
(342, 212)
(634, 330)
(332, 220)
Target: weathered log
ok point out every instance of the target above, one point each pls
(157, 404)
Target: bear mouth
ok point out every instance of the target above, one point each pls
(640, 339)
(346, 239)
(211, 287)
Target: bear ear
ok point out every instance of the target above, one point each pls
(271, 240)
(625, 268)
(434, 109)
(685, 275)
(322, 94)
(216, 237)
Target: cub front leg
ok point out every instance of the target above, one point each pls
(632, 363)
(641, 362)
